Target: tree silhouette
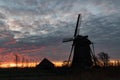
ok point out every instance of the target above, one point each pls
(65, 63)
(16, 60)
(104, 57)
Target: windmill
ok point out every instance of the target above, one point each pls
(80, 49)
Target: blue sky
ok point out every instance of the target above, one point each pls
(37, 27)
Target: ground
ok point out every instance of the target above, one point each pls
(60, 74)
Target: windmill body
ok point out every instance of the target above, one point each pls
(81, 56)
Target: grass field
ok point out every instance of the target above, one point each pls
(59, 74)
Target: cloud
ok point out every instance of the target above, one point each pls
(45, 23)
(104, 32)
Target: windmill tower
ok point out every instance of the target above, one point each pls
(82, 57)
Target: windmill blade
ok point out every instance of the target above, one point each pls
(77, 25)
(75, 34)
(93, 54)
(67, 39)
(70, 54)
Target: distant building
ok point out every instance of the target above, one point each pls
(45, 64)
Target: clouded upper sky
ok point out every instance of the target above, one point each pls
(37, 27)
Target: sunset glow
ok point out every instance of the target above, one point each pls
(33, 64)
(21, 65)
(58, 64)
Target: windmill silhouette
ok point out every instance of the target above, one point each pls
(82, 54)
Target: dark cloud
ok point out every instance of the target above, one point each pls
(104, 32)
(44, 23)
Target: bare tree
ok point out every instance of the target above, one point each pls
(16, 60)
(104, 57)
(65, 63)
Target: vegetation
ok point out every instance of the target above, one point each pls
(104, 58)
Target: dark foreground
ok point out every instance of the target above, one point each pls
(111, 73)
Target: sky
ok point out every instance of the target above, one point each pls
(36, 28)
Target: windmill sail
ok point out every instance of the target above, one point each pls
(67, 39)
(77, 26)
(75, 34)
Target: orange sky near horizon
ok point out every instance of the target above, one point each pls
(33, 64)
(23, 65)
